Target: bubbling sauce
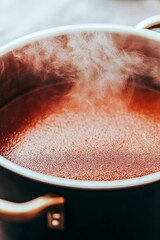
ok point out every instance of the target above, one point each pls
(51, 135)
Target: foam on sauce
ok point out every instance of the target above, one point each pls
(47, 134)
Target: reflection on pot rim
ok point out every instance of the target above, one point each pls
(80, 184)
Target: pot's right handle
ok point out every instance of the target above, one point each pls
(149, 23)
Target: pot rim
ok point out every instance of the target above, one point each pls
(110, 28)
(71, 183)
(80, 184)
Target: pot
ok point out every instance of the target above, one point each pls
(39, 206)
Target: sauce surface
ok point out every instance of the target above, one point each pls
(51, 135)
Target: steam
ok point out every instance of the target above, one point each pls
(98, 70)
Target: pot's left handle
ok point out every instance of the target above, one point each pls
(53, 205)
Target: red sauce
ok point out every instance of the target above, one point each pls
(53, 135)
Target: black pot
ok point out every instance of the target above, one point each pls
(76, 209)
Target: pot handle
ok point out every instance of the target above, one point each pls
(29, 210)
(149, 23)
